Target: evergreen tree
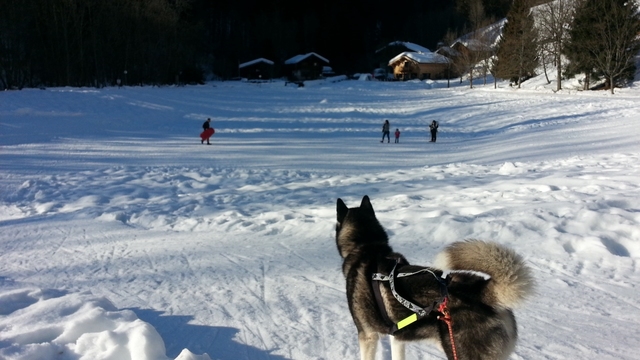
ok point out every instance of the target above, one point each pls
(604, 40)
(517, 55)
(576, 51)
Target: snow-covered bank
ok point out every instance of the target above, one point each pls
(122, 234)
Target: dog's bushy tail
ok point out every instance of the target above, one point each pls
(511, 280)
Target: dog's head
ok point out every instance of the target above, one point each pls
(357, 227)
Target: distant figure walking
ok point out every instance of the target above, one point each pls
(434, 130)
(385, 131)
(207, 131)
(397, 136)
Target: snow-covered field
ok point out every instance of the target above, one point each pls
(122, 237)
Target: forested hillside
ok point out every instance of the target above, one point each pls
(134, 42)
(93, 42)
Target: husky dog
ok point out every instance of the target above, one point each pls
(483, 282)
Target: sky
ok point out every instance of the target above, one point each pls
(123, 237)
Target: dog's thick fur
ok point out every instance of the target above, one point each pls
(484, 327)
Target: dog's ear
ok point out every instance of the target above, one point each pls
(341, 210)
(366, 204)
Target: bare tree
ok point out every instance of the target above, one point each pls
(473, 48)
(477, 15)
(474, 55)
(554, 20)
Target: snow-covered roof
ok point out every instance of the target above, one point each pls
(421, 58)
(486, 35)
(249, 63)
(409, 45)
(474, 45)
(296, 59)
(448, 51)
(417, 53)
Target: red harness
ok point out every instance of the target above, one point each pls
(446, 317)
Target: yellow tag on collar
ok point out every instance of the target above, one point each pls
(407, 321)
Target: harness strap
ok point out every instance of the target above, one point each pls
(377, 285)
(383, 309)
(418, 311)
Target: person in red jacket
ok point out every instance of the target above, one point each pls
(397, 136)
(205, 127)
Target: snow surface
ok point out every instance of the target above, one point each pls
(122, 237)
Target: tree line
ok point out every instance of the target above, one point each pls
(94, 42)
(597, 38)
(103, 42)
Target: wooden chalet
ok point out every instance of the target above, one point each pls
(417, 65)
(383, 54)
(305, 67)
(258, 69)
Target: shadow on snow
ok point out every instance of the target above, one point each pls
(217, 341)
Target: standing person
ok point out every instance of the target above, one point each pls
(434, 130)
(397, 136)
(385, 131)
(206, 134)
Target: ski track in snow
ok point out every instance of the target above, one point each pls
(228, 249)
